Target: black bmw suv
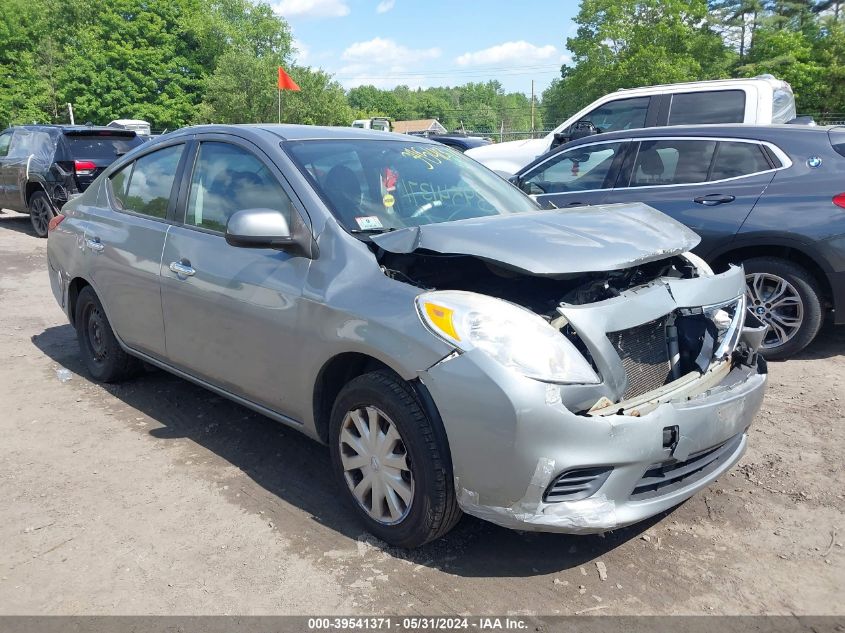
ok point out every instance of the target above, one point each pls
(41, 166)
(769, 197)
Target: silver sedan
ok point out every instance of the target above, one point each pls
(456, 347)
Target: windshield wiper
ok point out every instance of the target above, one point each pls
(371, 231)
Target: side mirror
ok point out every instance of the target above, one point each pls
(582, 129)
(559, 139)
(267, 228)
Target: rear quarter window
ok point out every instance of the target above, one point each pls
(837, 140)
(738, 159)
(718, 106)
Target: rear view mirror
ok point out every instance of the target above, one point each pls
(267, 228)
(559, 139)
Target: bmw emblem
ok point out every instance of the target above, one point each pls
(814, 161)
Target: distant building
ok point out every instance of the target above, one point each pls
(419, 126)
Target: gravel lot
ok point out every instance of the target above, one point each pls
(159, 497)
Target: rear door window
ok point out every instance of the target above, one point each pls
(672, 162)
(718, 106)
(101, 146)
(738, 159)
(144, 187)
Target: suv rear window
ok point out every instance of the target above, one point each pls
(719, 106)
(105, 146)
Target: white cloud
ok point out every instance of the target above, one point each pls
(382, 63)
(380, 51)
(312, 8)
(385, 5)
(520, 52)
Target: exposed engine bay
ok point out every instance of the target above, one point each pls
(540, 294)
(671, 342)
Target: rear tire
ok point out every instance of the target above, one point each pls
(795, 316)
(41, 211)
(103, 356)
(417, 460)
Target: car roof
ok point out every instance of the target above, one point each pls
(291, 132)
(65, 128)
(732, 130)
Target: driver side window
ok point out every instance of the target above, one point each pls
(5, 139)
(578, 169)
(622, 114)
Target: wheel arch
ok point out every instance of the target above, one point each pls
(31, 187)
(788, 252)
(339, 370)
(76, 285)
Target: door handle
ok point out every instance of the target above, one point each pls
(712, 199)
(94, 244)
(183, 268)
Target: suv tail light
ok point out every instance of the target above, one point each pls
(839, 200)
(55, 221)
(84, 167)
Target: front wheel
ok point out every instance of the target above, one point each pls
(392, 464)
(41, 211)
(786, 297)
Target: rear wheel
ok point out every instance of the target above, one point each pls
(786, 297)
(392, 464)
(41, 211)
(103, 356)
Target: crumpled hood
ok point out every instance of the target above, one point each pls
(557, 242)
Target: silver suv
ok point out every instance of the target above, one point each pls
(455, 346)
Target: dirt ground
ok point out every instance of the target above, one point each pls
(159, 497)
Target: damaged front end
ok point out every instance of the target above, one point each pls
(647, 379)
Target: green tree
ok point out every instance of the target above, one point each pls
(628, 43)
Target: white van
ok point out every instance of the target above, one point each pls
(760, 100)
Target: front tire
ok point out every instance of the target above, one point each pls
(102, 354)
(41, 211)
(787, 298)
(390, 461)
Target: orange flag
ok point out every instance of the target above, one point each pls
(285, 81)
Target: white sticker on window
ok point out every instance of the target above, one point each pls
(368, 222)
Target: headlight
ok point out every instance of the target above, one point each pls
(513, 336)
(728, 318)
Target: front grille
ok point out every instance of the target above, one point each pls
(644, 355)
(576, 484)
(663, 478)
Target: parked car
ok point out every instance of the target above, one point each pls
(41, 166)
(761, 100)
(460, 142)
(768, 197)
(455, 346)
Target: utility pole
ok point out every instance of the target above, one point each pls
(532, 108)
(70, 113)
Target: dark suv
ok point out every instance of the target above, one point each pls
(769, 197)
(41, 166)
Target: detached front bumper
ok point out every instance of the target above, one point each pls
(510, 438)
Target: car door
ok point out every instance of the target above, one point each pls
(14, 168)
(232, 315)
(578, 176)
(709, 184)
(125, 242)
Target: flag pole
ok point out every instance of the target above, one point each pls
(280, 106)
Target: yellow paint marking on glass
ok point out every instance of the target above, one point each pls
(388, 200)
(442, 318)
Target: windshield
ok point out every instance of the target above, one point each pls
(380, 185)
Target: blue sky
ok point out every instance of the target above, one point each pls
(432, 42)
